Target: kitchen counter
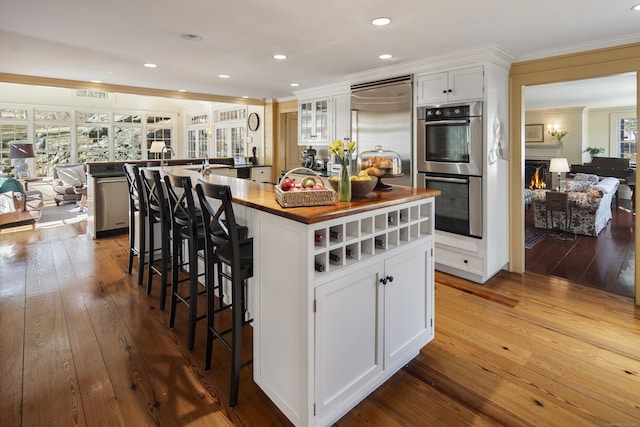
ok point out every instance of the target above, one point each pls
(262, 197)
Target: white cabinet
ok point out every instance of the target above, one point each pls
(313, 121)
(451, 86)
(369, 322)
(341, 106)
(322, 120)
(340, 305)
(261, 174)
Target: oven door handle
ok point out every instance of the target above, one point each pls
(452, 180)
(446, 122)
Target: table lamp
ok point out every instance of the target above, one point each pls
(20, 152)
(559, 165)
(159, 147)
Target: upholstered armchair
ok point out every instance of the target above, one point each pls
(17, 205)
(66, 178)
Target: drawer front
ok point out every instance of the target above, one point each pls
(458, 260)
(261, 174)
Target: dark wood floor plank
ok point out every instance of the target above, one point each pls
(604, 261)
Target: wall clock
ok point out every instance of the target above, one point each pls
(254, 121)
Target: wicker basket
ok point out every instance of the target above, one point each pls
(296, 199)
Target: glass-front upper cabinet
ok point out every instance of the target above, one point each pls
(313, 120)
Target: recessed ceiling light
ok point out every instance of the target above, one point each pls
(381, 21)
(294, 84)
(245, 97)
(636, 7)
(150, 65)
(223, 76)
(181, 90)
(385, 56)
(191, 37)
(96, 81)
(279, 56)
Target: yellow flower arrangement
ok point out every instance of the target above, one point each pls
(343, 155)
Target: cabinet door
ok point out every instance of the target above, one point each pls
(432, 88)
(341, 117)
(407, 304)
(348, 337)
(467, 83)
(321, 115)
(305, 121)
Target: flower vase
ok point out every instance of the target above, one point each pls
(344, 184)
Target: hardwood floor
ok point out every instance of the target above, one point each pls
(604, 262)
(82, 344)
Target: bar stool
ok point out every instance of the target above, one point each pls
(187, 227)
(158, 213)
(137, 204)
(226, 245)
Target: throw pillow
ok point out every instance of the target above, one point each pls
(593, 179)
(10, 184)
(69, 176)
(568, 185)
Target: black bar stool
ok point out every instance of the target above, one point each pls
(187, 227)
(137, 204)
(226, 243)
(158, 213)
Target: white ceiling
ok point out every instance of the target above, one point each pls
(325, 40)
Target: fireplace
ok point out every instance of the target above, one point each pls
(536, 174)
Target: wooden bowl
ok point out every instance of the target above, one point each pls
(358, 188)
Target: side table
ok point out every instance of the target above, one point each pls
(557, 201)
(25, 181)
(82, 191)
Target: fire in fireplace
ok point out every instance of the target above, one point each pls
(537, 180)
(537, 175)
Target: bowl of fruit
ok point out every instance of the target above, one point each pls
(361, 184)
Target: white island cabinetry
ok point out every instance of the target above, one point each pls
(340, 305)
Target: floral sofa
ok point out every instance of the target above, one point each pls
(589, 203)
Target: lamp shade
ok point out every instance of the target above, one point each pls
(559, 165)
(21, 151)
(156, 147)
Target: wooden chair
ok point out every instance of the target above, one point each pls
(187, 227)
(137, 204)
(228, 250)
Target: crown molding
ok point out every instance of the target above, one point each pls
(578, 48)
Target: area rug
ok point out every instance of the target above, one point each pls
(67, 213)
(533, 236)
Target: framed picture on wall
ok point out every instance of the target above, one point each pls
(534, 133)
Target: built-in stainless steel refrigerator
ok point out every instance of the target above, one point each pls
(382, 114)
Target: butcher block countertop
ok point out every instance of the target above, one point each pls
(262, 197)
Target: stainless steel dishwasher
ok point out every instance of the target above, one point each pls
(112, 204)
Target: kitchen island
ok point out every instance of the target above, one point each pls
(341, 296)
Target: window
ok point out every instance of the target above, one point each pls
(52, 147)
(627, 141)
(10, 133)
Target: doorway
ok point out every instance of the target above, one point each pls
(575, 66)
(292, 150)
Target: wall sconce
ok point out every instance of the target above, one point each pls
(555, 132)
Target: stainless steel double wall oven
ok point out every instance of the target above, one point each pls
(450, 159)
